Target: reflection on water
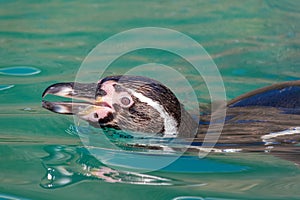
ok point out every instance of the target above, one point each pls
(67, 165)
(146, 154)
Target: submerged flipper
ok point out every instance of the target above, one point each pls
(282, 95)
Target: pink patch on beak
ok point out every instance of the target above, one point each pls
(95, 113)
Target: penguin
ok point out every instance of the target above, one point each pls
(263, 117)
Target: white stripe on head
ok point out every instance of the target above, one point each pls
(170, 123)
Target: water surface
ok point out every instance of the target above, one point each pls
(253, 43)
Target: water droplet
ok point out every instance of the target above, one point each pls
(19, 71)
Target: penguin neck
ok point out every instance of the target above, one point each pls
(188, 126)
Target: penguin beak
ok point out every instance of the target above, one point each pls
(83, 99)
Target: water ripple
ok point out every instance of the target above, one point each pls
(5, 87)
(10, 197)
(67, 165)
(19, 71)
(197, 198)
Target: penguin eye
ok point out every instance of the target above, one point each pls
(125, 101)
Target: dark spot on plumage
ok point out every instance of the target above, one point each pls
(161, 132)
(105, 120)
(100, 92)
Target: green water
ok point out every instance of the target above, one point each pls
(253, 43)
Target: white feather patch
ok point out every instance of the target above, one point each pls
(268, 139)
(170, 123)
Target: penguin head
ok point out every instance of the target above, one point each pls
(130, 103)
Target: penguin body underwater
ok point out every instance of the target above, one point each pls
(268, 115)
